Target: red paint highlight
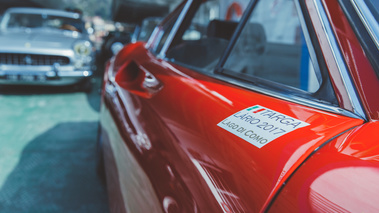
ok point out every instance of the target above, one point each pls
(259, 110)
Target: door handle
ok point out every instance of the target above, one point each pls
(137, 80)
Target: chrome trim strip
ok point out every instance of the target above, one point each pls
(152, 37)
(368, 20)
(174, 29)
(353, 96)
(82, 73)
(287, 97)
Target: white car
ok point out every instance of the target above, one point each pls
(44, 46)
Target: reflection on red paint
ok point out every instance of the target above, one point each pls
(345, 190)
(260, 110)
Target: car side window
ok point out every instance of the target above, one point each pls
(164, 30)
(162, 36)
(272, 48)
(202, 43)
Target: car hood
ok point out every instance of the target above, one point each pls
(38, 39)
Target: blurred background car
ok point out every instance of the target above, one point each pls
(131, 26)
(115, 40)
(123, 34)
(48, 134)
(45, 47)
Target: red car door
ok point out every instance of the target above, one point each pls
(224, 140)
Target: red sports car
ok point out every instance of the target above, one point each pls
(259, 106)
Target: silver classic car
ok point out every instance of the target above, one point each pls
(44, 46)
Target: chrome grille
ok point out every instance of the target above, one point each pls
(32, 59)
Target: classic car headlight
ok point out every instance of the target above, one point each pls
(83, 48)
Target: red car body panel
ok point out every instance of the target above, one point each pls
(164, 120)
(342, 176)
(187, 122)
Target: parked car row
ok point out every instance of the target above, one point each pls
(114, 41)
(273, 112)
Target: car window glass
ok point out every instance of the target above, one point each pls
(147, 27)
(163, 35)
(272, 47)
(204, 40)
(198, 28)
(22, 20)
(64, 23)
(373, 5)
(165, 29)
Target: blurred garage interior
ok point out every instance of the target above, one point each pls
(48, 134)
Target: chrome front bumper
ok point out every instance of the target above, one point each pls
(42, 75)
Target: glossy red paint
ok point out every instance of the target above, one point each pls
(342, 176)
(182, 121)
(364, 77)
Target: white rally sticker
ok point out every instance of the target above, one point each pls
(259, 125)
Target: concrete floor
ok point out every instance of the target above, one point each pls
(47, 150)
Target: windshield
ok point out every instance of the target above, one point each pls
(21, 20)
